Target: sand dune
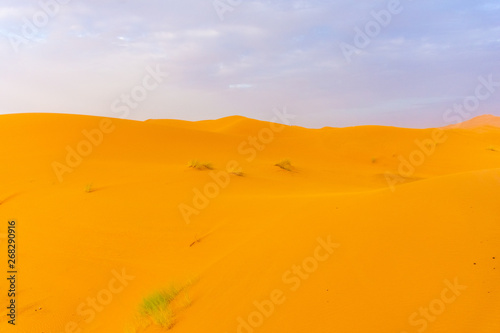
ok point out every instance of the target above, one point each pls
(486, 120)
(373, 229)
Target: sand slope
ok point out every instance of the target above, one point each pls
(410, 224)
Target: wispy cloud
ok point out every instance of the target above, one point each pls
(240, 86)
(268, 53)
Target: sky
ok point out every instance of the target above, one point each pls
(329, 63)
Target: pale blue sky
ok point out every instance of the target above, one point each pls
(82, 56)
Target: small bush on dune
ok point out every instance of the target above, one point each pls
(156, 309)
(195, 164)
(88, 188)
(236, 172)
(285, 165)
(160, 307)
(493, 148)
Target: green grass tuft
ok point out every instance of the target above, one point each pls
(156, 308)
(161, 307)
(195, 164)
(88, 188)
(236, 171)
(285, 165)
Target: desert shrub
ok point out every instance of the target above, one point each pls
(160, 308)
(285, 165)
(236, 172)
(195, 164)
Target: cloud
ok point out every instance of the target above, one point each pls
(240, 86)
(264, 54)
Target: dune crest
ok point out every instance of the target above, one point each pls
(479, 121)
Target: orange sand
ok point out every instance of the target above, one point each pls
(396, 252)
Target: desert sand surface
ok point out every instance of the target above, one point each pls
(371, 229)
